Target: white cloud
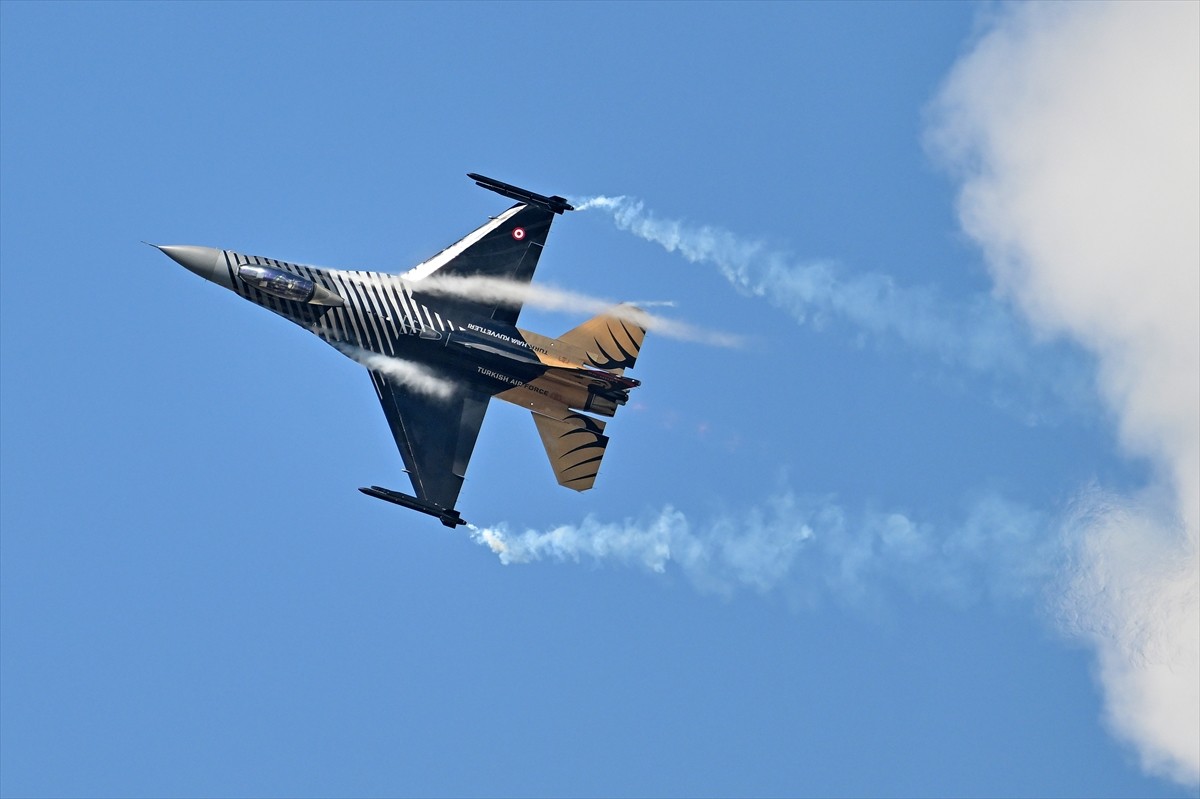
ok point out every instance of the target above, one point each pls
(1075, 129)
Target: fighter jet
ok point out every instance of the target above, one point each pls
(452, 320)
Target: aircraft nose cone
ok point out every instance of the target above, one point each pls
(201, 260)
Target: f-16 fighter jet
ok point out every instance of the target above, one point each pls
(451, 321)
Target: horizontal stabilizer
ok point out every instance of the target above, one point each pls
(556, 204)
(575, 445)
(611, 343)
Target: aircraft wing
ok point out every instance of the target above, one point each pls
(507, 247)
(435, 436)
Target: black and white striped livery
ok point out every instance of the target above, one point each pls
(437, 351)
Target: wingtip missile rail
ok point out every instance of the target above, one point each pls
(556, 204)
(450, 518)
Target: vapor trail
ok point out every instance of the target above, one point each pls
(812, 548)
(407, 373)
(979, 334)
(516, 293)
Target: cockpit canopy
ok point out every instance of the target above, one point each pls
(287, 286)
(278, 283)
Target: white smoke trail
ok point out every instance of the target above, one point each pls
(979, 334)
(516, 293)
(810, 547)
(1075, 129)
(413, 375)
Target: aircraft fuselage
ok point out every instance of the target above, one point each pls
(384, 314)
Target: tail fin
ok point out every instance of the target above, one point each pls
(575, 444)
(611, 341)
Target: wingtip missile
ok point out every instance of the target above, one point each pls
(556, 204)
(448, 517)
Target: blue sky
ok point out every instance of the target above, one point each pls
(882, 512)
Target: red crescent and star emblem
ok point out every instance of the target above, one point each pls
(518, 233)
